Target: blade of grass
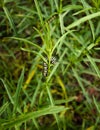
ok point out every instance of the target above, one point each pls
(60, 82)
(58, 102)
(59, 40)
(52, 104)
(36, 124)
(71, 7)
(10, 19)
(8, 91)
(82, 20)
(96, 104)
(25, 117)
(40, 34)
(81, 11)
(37, 53)
(81, 85)
(90, 22)
(94, 65)
(39, 12)
(27, 9)
(25, 17)
(56, 4)
(29, 42)
(35, 93)
(18, 90)
(61, 23)
(3, 108)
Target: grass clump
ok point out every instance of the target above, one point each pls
(49, 65)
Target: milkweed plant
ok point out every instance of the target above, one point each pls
(49, 65)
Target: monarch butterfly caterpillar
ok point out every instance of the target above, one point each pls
(53, 60)
(45, 66)
(45, 69)
(51, 18)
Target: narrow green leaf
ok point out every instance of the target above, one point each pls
(41, 35)
(90, 22)
(82, 20)
(56, 4)
(17, 93)
(96, 104)
(61, 23)
(4, 107)
(82, 11)
(60, 39)
(8, 91)
(94, 65)
(37, 53)
(25, 117)
(39, 12)
(65, 101)
(53, 104)
(35, 93)
(71, 7)
(10, 19)
(29, 42)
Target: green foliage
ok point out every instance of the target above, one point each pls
(36, 92)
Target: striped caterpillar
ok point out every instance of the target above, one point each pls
(51, 18)
(45, 66)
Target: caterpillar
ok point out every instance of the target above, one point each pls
(51, 18)
(45, 69)
(45, 66)
(53, 60)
